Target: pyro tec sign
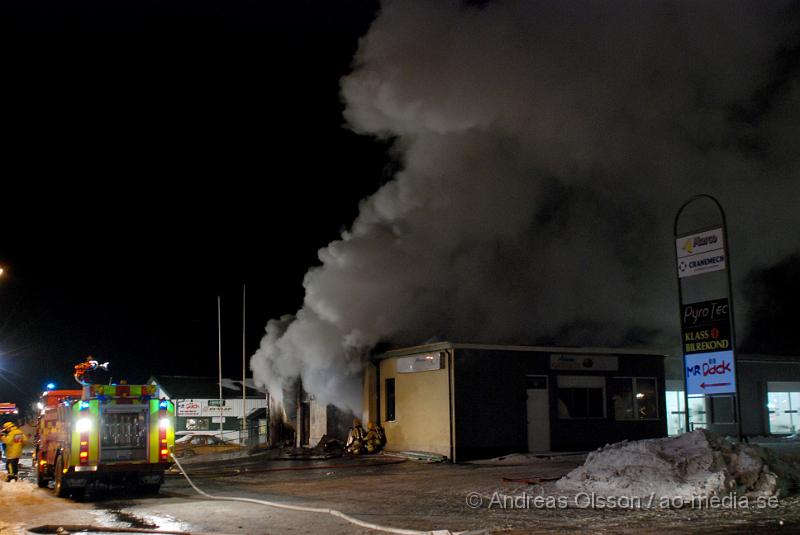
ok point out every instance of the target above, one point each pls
(705, 312)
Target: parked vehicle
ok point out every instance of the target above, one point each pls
(103, 434)
(201, 444)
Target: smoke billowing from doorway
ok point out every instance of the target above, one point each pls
(544, 149)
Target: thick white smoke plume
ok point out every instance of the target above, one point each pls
(545, 148)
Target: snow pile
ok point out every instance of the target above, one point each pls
(692, 465)
(21, 493)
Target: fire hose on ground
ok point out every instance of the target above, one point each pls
(324, 510)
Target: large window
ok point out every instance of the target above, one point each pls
(198, 424)
(390, 416)
(783, 404)
(581, 396)
(635, 398)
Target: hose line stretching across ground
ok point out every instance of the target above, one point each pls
(333, 512)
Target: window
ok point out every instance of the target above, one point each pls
(390, 400)
(783, 404)
(635, 398)
(698, 413)
(198, 424)
(581, 396)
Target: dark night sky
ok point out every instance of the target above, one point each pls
(156, 155)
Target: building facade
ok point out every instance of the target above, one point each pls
(470, 401)
(199, 409)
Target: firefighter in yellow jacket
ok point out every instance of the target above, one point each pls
(355, 439)
(13, 438)
(375, 439)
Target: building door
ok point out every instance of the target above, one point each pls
(538, 413)
(676, 412)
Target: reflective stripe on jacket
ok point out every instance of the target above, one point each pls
(13, 442)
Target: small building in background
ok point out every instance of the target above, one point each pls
(200, 410)
(472, 401)
(769, 386)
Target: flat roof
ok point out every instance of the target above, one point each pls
(441, 346)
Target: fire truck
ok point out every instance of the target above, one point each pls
(8, 412)
(103, 435)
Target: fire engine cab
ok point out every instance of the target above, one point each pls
(103, 434)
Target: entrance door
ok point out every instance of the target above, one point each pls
(538, 414)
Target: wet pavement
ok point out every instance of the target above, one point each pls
(405, 494)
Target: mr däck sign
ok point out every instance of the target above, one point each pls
(710, 373)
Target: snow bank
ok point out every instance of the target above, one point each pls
(692, 465)
(21, 493)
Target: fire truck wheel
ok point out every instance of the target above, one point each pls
(41, 480)
(60, 489)
(150, 489)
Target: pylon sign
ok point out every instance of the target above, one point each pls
(707, 327)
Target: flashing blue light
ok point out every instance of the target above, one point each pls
(84, 405)
(51, 386)
(164, 404)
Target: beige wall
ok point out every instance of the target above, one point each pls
(422, 410)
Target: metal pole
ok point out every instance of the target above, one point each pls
(686, 422)
(219, 353)
(244, 365)
(733, 326)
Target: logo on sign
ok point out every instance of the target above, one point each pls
(698, 241)
(706, 326)
(700, 253)
(189, 408)
(710, 373)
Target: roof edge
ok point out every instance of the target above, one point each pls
(440, 346)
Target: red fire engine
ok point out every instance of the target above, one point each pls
(104, 434)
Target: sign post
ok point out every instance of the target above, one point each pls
(708, 331)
